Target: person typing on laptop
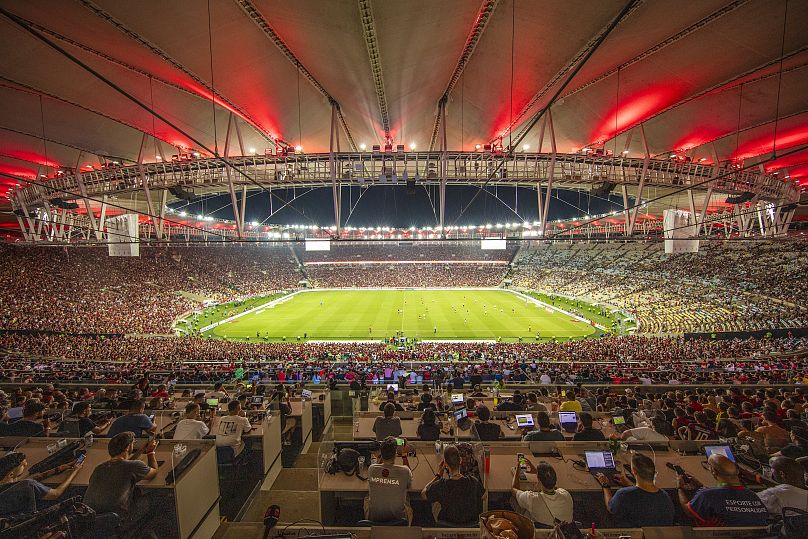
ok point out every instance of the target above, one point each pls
(639, 506)
(191, 427)
(545, 433)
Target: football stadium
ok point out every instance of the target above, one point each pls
(332, 269)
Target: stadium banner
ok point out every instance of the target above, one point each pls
(679, 231)
(317, 244)
(122, 235)
(493, 245)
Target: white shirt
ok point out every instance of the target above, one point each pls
(545, 379)
(645, 434)
(190, 429)
(231, 427)
(558, 505)
(779, 496)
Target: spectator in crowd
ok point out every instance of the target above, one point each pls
(232, 427)
(791, 490)
(729, 504)
(799, 444)
(112, 485)
(643, 434)
(19, 496)
(482, 429)
(571, 403)
(391, 399)
(459, 496)
(587, 433)
(547, 506)
(191, 427)
(33, 422)
(428, 429)
(640, 506)
(387, 425)
(388, 485)
(545, 432)
(81, 415)
(135, 421)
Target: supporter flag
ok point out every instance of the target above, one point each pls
(239, 373)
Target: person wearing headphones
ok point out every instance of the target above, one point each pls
(641, 505)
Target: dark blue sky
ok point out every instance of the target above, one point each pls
(393, 206)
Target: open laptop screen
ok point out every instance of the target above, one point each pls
(567, 417)
(599, 459)
(525, 420)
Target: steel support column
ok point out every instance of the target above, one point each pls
(444, 166)
(550, 174)
(230, 185)
(332, 164)
(144, 183)
(638, 201)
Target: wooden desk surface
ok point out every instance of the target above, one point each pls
(409, 428)
(97, 454)
(503, 460)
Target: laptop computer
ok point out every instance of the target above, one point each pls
(725, 450)
(524, 420)
(457, 398)
(598, 462)
(257, 401)
(462, 419)
(568, 420)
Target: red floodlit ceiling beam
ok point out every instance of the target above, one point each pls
(375, 58)
(202, 93)
(157, 51)
(477, 29)
(14, 85)
(552, 82)
(260, 21)
(717, 88)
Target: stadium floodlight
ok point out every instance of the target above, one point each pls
(525, 147)
(478, 147)
(200, 217)
(209, 218)
(298, 149)
(412, 145)
(253, 223)
(183, 214)
(158, 157)
(252, 151)
(363, 146)
(499, 225)
(488, 226)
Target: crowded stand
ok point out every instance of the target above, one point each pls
(753, 286)
(457, 274)
(87, 291)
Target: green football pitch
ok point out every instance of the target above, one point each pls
(425, 314)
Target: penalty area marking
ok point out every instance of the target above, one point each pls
(268, 305)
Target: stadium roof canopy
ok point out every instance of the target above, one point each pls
(708, 79)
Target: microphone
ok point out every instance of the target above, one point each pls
(271, 517)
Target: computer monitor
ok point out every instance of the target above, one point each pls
(719, 450)
(213, 402)
(619, 420)
(599, 459)
(461, 415)
(258, 400)
(457, 398)
(524, 420)
(392, 387)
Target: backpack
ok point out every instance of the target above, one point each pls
(345, 461)
(792, 524)
(468, 461)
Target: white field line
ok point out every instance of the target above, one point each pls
(250, 311)
(554, 308)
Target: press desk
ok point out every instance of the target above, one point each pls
(195, 493)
